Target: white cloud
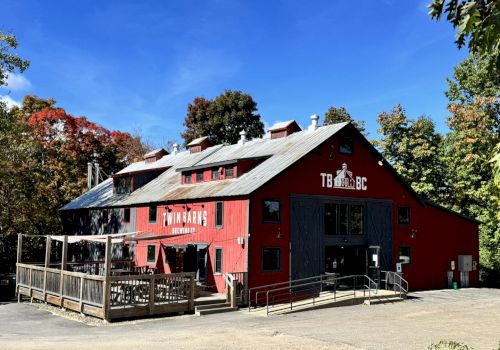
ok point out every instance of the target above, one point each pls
(9, 101)
(17, 82)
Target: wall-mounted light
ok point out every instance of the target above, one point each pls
(413, 233)
(380, 162)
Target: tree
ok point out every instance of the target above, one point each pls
(339, 115)
(9, 61)
(470, 147)
(477, 22)
(223, 118)
(412, 147)
(43, 163)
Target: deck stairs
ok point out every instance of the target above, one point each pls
(211, 303)
(214, 308)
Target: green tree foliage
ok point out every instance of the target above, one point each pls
(469, 149)
(9, 60)
(223, 118)
(339, 115)
(412, 146)
(477, 22)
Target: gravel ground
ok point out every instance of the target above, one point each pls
(471, 316)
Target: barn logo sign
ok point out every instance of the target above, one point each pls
(185, 219)
(344, 179)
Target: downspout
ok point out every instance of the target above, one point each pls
(247, 242)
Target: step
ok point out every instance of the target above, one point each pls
(209, 301)
(215, 310)
(211, 306)
(376, 301)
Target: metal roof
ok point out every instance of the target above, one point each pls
(280, 153)
(281, 125)
(197, 141)
(154, 152)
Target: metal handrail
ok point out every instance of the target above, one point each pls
(321, 280)
(276, 285)
(398, 281)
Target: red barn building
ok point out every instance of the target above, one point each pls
(296, 203)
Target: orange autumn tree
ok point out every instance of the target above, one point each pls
(68, 143)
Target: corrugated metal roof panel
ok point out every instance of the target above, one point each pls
(281, 125)
(99, 196)
(282, 153)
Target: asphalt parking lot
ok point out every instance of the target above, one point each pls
(471, 316)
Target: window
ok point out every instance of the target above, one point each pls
(219, 214)
(403, 215)
(215, 173)
(345, 145)
(343, 219)
(229, 171)
(122, 185)
(218, 260)
(151, 253)
(199, 176)
(271, 211)
(126, 215)
(404, 255)
(271, 260)
(187, 178)
(152, 213)
(105, 216)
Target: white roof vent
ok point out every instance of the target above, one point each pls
(176, 148)
(243, 137)
(314, 122)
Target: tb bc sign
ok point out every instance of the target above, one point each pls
(344, 179)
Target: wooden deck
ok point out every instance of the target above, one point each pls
(108, 297)
(105, 296)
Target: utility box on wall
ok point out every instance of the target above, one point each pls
(465, 263)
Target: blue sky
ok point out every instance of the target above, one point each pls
(132, 65)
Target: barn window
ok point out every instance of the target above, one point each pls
(404, 215)
(215, 173)
(122, 185)
(271, 211)
(105, 216)
(199, 176)
(218, 260)
(345, 145)
(271, 260)
(187, 178)
(152, 213)
(151, 253)
(219, 214)
(404, 255)
(126, 215)
(343, 219)
(229, 172)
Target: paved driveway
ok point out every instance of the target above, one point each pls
(469, 315)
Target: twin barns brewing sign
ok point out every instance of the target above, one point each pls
(343, 179)
(185, 221)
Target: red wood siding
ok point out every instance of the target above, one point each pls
(235, 225)
(440, 236)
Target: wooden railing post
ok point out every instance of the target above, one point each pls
(107, 283)
(192, 289)
(19, 257)
(234, 284)
(81, 294)
(63, 267)
(47, 264)
(151, 294)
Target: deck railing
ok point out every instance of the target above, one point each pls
(108, 297)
